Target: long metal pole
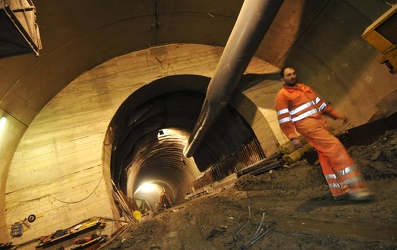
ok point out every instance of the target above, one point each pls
(251, 26)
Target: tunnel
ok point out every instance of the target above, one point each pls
(152, 127)
(147, 148)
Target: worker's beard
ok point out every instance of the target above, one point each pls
(291, 83)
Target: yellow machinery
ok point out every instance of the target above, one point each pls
(382, 34)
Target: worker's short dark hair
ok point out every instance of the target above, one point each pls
(283, 69)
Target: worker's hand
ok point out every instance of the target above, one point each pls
(344, 119)
(296, 142)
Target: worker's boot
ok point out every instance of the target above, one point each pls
(360, 195)
(341, 197)
(355, 184)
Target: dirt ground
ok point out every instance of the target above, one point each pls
(288, 208)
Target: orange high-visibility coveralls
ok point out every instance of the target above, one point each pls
(300, 107)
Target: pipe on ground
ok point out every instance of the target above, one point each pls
(251, 26)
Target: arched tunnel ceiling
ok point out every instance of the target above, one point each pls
(79, 35)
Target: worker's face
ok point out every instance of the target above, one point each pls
(289, 77)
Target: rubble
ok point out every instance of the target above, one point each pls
(299, 211)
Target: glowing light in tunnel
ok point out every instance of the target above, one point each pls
(163, 133)
(169, 132)
(149, 193)
(147, 187)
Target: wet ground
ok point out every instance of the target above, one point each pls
(287, 208)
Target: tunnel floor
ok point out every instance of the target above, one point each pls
(288, 208)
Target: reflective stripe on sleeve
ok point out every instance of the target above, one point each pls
(286, 119)
(283, 111)
(322, 106)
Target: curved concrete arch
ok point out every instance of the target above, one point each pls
(61, 153)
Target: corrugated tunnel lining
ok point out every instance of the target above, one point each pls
(138, 149)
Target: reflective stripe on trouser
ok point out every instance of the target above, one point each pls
(336, 163)
(346, 180)
(335, 185)
(352, 178)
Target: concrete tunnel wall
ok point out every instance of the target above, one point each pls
(63, 155)
(58, 168)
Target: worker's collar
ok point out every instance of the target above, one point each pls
(291, 88)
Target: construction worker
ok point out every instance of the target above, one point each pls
(300, 108)
(165, 200)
